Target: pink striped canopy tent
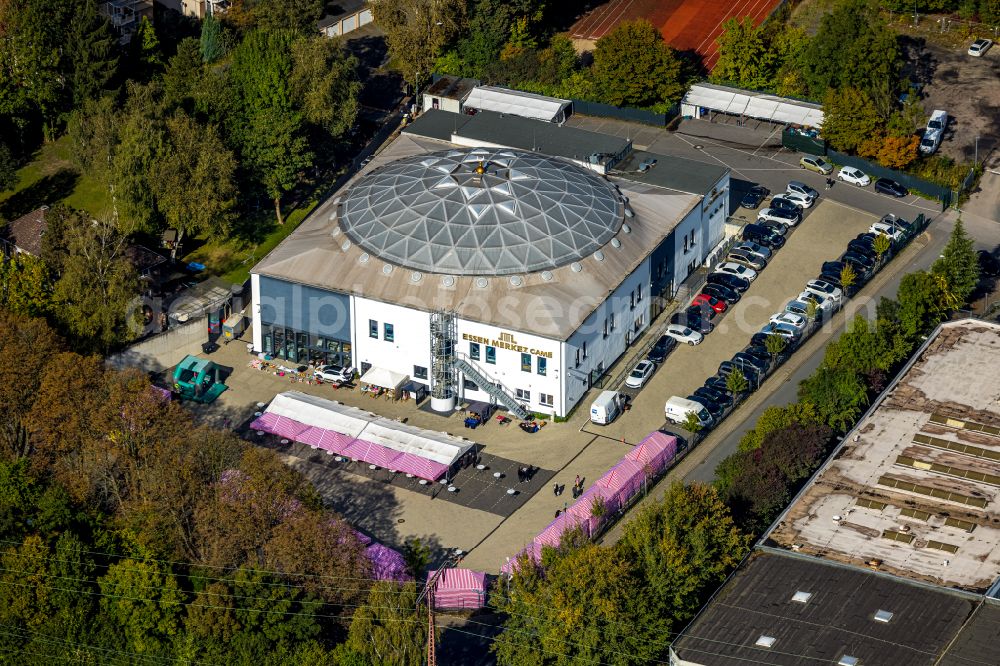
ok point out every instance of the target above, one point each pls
(387, 564)
(459, 589)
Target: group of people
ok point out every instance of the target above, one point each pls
(525, 473)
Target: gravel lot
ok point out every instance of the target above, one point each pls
(968, 89)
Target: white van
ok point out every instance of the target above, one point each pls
(677, 410)
(607, 407)
(938, 121)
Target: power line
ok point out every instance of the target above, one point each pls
(45, 638)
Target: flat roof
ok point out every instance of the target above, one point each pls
(451, 87)
(510, 131)
(978, 639)
(550, 303)
(914, 489)
(675, 173)
(813, 612)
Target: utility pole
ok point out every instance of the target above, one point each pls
(428, 593)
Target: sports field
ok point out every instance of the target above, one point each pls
(687, 25)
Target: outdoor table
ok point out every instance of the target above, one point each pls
(480, 467)
(258, 414)
(329, 453)
(511, 491)
(452, 489)
(260, 433)
(409, 476)
(284, 441)
(443, 482)
(497, 475)
(261, 405)
(339, 459)
(423, 482)
(373, 467)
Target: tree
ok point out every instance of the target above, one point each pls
(278, 152)
(96, 288)
(860, 349)
(958, 265)
(896, 152)
(921, 304)
(848, 277)
(633, 66)
(25, 286)
(211, 45)
(390, 628)
(134, 158)
(683, 546)
(324, 79)
(8, 169)
(557, 62)
(93, 52)
(849, 119)
(416, 31)
(838, 394)
(184, 76)
(775, 418)
(736, 382)
(146, 51)
(691, 423)
(989, 12)
(586, 605)
(775, 344)
(194, 179)
(29, 344)
(747, 58)
(144, 599)
(417, 556)
(296, 15)
(881, 245)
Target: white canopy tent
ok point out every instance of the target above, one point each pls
(359, 424)
(518, 103)
(384, 378)
(760, 106)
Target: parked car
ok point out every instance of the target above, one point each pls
(684, 334)
(854, 176)
(794, 320)
(712, 407)
(730, 268)
(703, 310)
(979, 47)
(930, 141)
(758, 340)
(790, 333)
(727, 368)
(800, 200)
(988, 264)
(899, 224)
(888, 229)
(715, 395)
(717, 304)
(640, 374)
(778, 228)
(743, 359)
(825, 305)
(789, 217)
(730, 296)
(938, 121)
(825, 288)
(759, 352)
(334, 373)
(890, 187)
(758, 233)
(781, 203)
(692, 318)
(831, 271)
(858, 259)
(761, 251)
(662, 348)
(802, 188)
(728, 281)
(747, 259)
(817, 164)
(753, 198)
(718, 384)
(800, 308)
(863, 247)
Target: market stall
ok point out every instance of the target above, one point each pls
(462, 589)
(382, 382)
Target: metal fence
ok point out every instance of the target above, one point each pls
(940, 192)
(643, 116)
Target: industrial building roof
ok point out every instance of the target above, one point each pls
(488, 128)
(481, 211)
(914, 489)
(518, 102)
(451, 87)
(789, 610)
(675, 173)
(550, 303)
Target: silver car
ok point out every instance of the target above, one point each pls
(754, 248)
(747, 259)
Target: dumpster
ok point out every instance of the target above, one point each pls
(233, 327)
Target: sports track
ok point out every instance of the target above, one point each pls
(687, 25)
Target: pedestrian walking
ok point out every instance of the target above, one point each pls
(555, 489)
(558, 513)
(576, 484)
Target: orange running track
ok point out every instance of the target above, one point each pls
(687, 25)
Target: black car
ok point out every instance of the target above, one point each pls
(759, 351)
(831, 271)
(742, 359)
(862, 247)
(701, 309)
(726, 294)
(890, 187)
(988, 264)
(758, 339)
(858, 259)
(778, 203)
(727, 368)
(718, 397)
(714, 408)
(662, 348)
(717, 383)
(731, 281)
(776, 227)
(758, 233)
(693, 320)
(753, 198)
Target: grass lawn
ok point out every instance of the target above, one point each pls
(51, 178)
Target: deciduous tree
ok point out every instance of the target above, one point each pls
(837, 394)
(736, 382)
(849, 118)
(324, 80)
(416, 31)
(775, 418)
(390, 628)
(146, 602)
(25, 286)
(747, 57)
(633, 66)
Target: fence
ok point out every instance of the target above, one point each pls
(940, 192)
(643, 116)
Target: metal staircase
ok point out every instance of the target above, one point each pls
(496, 390)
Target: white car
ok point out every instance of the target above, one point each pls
(730, 268)
(786, 217)
(784, 330)
(824, 304)
(800, 200)
(684, 334)
(754, 248)
(334, 373)
(887, 229)
(824, 288)
(798, 322)
(980, 46)
(800, 308)
(640, 374)
(854, 176)
(801, 188)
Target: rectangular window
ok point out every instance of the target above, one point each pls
(474, 351)
(685, 243)
(373, 329)
(631, 300)
(543, 365)
(578, 358)
(491, 355)
(692, 238)
(470, 385)
(524, 395)
(545, 399)
(525, 362)
(605, 327)
(419, 372)
(585, 349)
(390, 332)
(638, 292)
(612, 321)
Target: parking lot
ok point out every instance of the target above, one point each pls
(821, 236)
